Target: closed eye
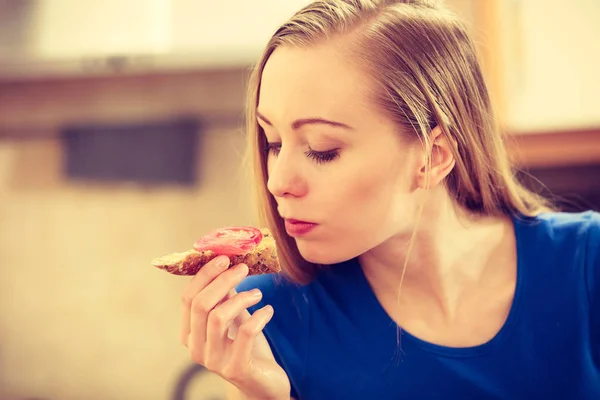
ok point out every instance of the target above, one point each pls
(273, 148)
(320, 157)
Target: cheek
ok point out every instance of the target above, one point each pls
(379, 203)
(377, 189)
(369, 205)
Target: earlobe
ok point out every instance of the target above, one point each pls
(442, 161)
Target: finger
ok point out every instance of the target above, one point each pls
(219, 321)
(206, 274)
(210, 296)
(186, 317)
(239, 319)
(228, 296)
(237, 322)
(241, 348)
(224, 285)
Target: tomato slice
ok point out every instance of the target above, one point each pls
(230, 241)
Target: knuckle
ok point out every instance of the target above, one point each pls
(246, 330)
(217, 317)
(187, 299)
(200, 306)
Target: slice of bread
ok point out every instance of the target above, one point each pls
(262, 260)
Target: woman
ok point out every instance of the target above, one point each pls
(416, 265)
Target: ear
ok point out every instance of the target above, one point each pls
(442, 160)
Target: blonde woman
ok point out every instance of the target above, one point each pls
(415, 265)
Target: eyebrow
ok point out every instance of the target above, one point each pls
(297, 124)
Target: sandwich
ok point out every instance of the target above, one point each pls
(248, 245)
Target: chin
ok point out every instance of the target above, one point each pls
(321, 254)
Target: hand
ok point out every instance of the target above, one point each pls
(221, 334)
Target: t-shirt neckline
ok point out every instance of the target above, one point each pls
(381, 323)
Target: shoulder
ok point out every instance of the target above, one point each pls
(570, 242)
(555, 241)
(559, 230)
(566, 220)
(559, 245)
(582, 232)
(566, 238)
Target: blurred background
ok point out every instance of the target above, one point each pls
(121, 139)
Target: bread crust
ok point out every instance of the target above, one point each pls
(262, 260)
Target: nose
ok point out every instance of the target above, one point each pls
(285, 176)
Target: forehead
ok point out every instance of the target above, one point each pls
(303, 82)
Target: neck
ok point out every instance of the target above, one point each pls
(452, 252)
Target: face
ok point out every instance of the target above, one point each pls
(334, 159)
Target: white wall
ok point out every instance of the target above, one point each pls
(72, 28)
(75, 28)
(552, 64)
(233, 26)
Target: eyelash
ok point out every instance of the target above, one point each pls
(320, 157)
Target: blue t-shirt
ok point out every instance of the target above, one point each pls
(335, 341)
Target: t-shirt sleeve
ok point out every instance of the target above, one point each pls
(592, 268)
(285, 332)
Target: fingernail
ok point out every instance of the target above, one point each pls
(223, 262)
(242, 269)
(256, 293)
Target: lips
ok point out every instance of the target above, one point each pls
(297, 221)
(297, 228)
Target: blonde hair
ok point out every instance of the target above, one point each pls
(427, 74)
